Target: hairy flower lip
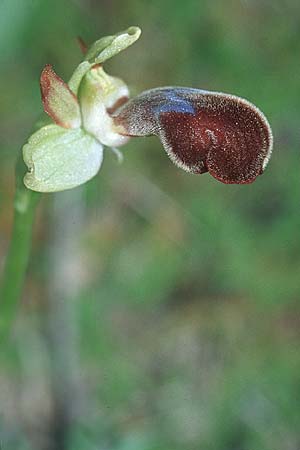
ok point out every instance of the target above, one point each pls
(201, 131)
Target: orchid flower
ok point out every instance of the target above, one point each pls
(201, 131)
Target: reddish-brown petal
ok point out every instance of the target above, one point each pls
(58, 100)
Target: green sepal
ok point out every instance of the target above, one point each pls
(109, 46)
(60, 159)
(102, 50)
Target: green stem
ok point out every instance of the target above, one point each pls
(25, 203)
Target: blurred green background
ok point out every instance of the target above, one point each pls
(161, 309)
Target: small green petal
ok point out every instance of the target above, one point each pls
(60, 159)
(77, 76)
(109, 46)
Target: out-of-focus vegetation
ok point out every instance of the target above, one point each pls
(161, 309)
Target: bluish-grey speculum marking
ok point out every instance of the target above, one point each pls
(174, 103)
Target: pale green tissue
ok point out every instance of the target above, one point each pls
(59, 159)
(109, 46)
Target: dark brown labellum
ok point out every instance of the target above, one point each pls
(202, 131)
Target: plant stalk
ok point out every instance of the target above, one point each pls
(25, 203)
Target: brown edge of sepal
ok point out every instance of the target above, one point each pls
(45, 85)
